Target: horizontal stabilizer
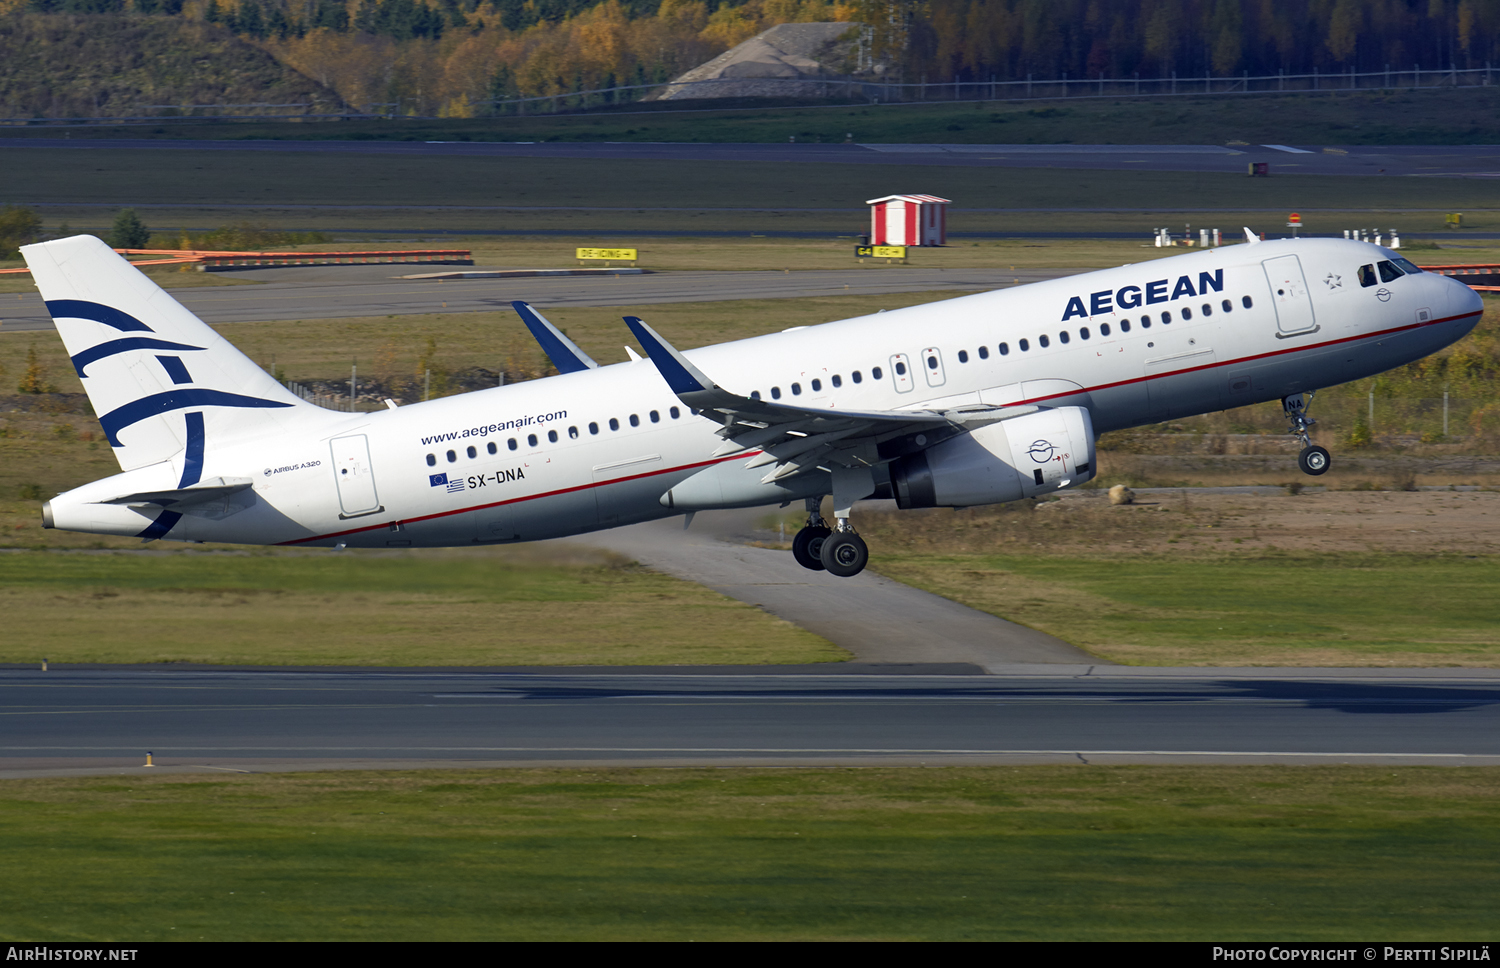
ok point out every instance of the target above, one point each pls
(210, 490)
(563, 352)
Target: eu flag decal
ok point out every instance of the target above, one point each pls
(437, 480)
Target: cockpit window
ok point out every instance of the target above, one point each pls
(1367, 276)
(1406, 266)
(1388, 272)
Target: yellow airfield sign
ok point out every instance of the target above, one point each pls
(609, 255)
(880, 251)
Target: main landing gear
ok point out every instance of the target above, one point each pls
(838, 550)
(1312, 460)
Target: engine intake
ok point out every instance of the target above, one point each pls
(1005, 461)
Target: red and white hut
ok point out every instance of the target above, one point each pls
(908, 220)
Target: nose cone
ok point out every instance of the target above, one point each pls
(1463, 301)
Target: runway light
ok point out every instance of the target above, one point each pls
(148, 760)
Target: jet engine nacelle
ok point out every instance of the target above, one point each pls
(1005, 461)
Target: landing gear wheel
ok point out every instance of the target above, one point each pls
(807, 546)
(1314, 461)
(845, 554)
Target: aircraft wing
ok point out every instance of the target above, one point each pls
(796, 439)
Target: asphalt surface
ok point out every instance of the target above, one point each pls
(876, 619)
(106, 721)
(1440, 160)
(336, 292)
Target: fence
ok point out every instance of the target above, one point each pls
(833, 88)
(925, 91)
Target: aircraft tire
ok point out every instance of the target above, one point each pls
(1314, 461)
(845, 554)
(807, 547)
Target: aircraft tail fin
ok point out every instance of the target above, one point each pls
(164, 385)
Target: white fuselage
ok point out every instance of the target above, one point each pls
(1246, 325)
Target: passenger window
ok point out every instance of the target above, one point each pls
(754, 394)
(593, 427)
(817, 385)
(531, 440)
(1208, 310)
(1103, 329)
(1023, 344)
(1166, 317)
(1146, 322)
(635, 421)
(452, 457)
(552, 436)
(796, 389)
(495, 450)
(1246, 302)
(675, 413)
(932, 362)
(511, 443)
(655, 417)
(1043, 342)
(1004, 349)
(432, 460)
(837, 381)
(473, 453)
(1187, 313)
(776, 393)
(572, 433)
(1083, 333)
(1388, 272)
(859, 379)
(874, 372)
(984, 352)
(901, 369)
(1227, 306)
(1063, 336)
(963, 356)
(614, 423)
(1124, 325)
(1367, 276)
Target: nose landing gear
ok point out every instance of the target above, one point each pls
(1312, 460)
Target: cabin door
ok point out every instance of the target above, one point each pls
(1289, 294)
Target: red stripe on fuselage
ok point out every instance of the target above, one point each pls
(517, 500)
(1245, 359)
(683, 467)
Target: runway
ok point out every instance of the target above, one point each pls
(105, 721)
(348, 291)
(876, 619)
(1454, 161)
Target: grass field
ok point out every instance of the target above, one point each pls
(534, 605)
(1255, 609)
(297, 192)
(1464, 116)
(1037, 853)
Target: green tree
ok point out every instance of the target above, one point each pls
(18, 226)
(129, 231)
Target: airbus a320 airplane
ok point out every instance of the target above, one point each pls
(975, 400)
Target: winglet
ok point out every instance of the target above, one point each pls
(1250, 236)
(690, 384)
(563, 352)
